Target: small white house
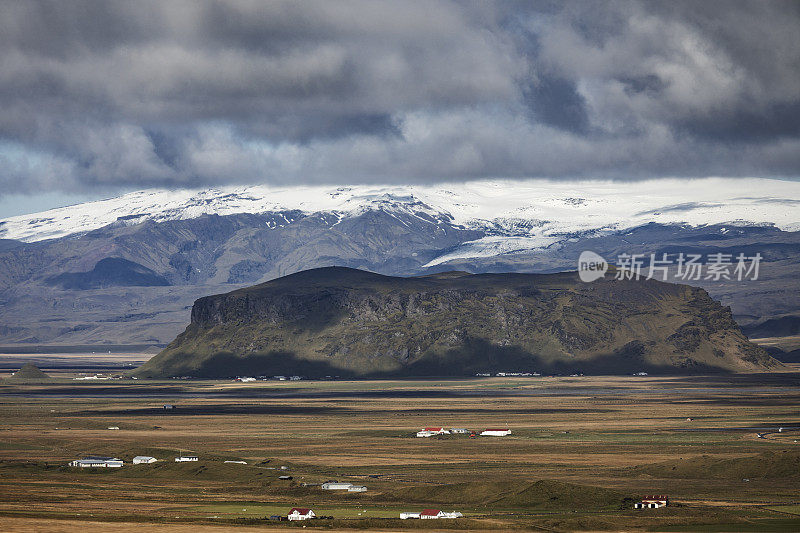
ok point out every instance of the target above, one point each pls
(406, 516)
(301, 513)
(495, 433)
(459, 430)
(433, 514)
(652, 502)
(185, 458)
(143, 459)
(94, 461)
(113, 427)
(335, 485)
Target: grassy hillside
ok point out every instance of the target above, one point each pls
(346, 322)
(541, 495)
(781, 464)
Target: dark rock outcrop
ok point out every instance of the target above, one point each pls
(341, 321)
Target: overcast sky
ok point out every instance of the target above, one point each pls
(114, 96)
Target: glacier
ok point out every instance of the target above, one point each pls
(515, 215)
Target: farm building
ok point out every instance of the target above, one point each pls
(429, 514)
(301, 513)
(143, 459)
(94, 461)
(495, 432)
(430, 432)
(185, 458)
(235, 462)
(335, 485)
(459, 430)
(406, 516)
(652, 502)
(357, 488)
(113, 427)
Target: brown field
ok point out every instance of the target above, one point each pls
(613, 437)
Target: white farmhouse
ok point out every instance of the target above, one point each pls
(406, 516)
(301, 513)
(143, 459)
(430, 432)
(495, 433)
(432, 514)
(652, 502)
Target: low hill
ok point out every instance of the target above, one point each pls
(781, 464)
(543, 494)
(347, 322)
(29, 372)
(784, 326)
(109, 272)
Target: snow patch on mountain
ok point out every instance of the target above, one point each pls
(533, 211)
(493, 246)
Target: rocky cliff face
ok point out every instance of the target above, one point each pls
(346, 322)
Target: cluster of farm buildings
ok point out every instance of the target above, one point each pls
(433, 431)
(98, 461)
(304, 513)
(250, 379)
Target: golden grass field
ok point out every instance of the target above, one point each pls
(594, 440)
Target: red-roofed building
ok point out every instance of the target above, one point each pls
(301, 513)
(652, 502)
(431, 513)
(495, 432)
(429, 432)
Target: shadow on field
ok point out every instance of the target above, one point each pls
(476, 355)
(217, 409)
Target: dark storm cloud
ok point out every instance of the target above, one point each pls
(185, 93)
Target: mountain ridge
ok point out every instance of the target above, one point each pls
(508, 208)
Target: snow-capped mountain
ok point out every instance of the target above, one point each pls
(127, 269)
(537, 211)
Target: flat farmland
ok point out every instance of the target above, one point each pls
(582, 450)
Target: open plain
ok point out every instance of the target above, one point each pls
(582, 450)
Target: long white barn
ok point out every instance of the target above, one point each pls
(94, 461)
